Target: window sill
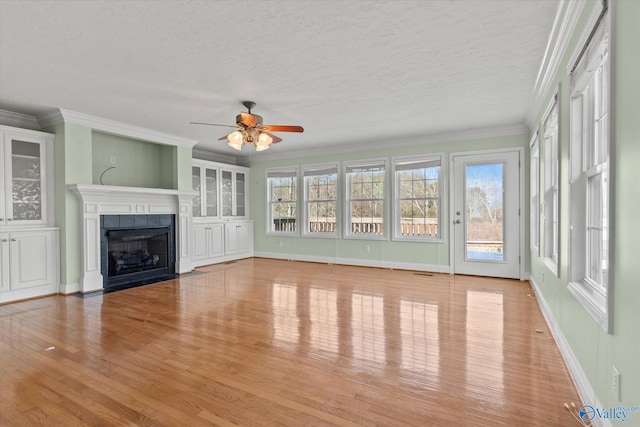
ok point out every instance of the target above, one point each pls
(281, 233)
(593, 302)
(552, 265)
(321, 235)
(364, 237)
(418, 239)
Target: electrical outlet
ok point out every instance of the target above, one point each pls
(367, 248)
(280, 243)
(615, 382)
(113, 160)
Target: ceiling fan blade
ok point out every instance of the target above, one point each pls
(223, 138)
(212, 124)
(274, 138)
(281, 128)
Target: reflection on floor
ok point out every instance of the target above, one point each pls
(267, 342)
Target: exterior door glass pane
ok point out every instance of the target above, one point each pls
(484, 189)
(26, 181)
(195, 184)
(211, 188)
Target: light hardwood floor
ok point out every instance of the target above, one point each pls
(262, 342)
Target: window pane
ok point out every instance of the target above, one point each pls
(418, 201)
(282, 201)
(366, 199)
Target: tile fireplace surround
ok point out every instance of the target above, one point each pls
(100, 200)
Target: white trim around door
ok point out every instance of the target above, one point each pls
(502, 255)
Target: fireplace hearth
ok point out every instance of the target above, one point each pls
(136, 250)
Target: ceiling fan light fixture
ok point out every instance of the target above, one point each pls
(263, 142)
(236, 139)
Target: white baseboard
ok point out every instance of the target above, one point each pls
(356, 262)
(28, 293)
(587, 394)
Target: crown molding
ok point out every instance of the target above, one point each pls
(462, 135)
(18, 120)
(564, 25)
(201, 154)
(112, 127)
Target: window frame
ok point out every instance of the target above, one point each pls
(534, 193)
(397, 217)
(550, 243)
(593, 53)
(307, 172)
(292, 171)
(347, 233)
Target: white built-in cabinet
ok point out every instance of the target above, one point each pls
(221, 226)
(29, 248)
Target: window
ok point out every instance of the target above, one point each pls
(321, 200)
(365, 199)
(534, 207)
(282, 199)
(589, 178)
(550, 203)
(417, 203)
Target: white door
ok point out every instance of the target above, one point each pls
(486, 214)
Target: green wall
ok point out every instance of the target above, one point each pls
(597, 351)
(424, 255)
(138, 163)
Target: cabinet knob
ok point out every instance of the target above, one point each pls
(14, 240)
(9, 219)
(4, 240)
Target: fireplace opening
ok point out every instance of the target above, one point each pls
(136, 250)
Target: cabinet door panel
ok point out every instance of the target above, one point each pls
(231, 238)
(216, 240)
(30, 260)
(4, 262)
(200, 247)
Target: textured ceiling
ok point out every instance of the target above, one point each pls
(350, 72)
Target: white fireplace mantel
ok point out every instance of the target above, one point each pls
(100, 200)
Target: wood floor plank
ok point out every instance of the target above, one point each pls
(267, 342)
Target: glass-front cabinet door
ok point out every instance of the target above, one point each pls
(211, 191)
(204, 181)
(227, 193)
(24, 197)
(196, 183)
(221, 190)
(234, 192)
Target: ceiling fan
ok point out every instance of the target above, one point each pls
(251, 130)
